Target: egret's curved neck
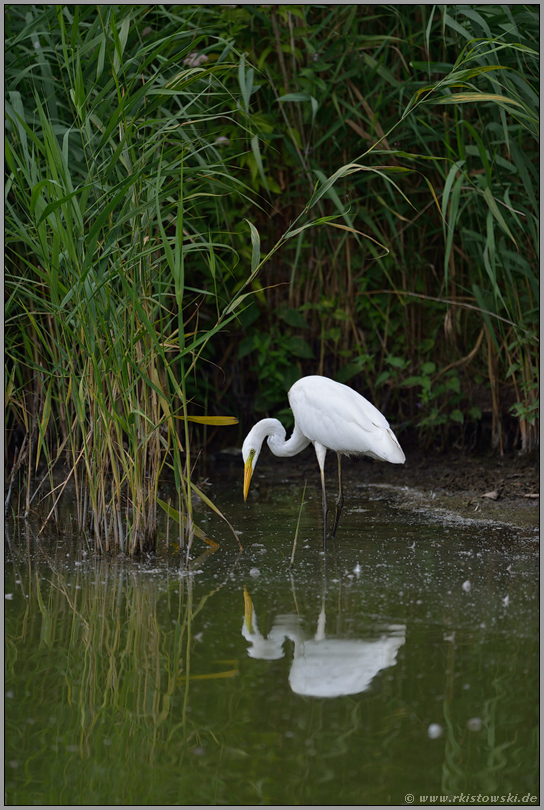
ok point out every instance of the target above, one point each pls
(276, 438)
(292, 446)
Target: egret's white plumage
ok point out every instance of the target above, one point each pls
(331, 416)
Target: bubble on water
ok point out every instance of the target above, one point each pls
(254, 572)
(467, 586)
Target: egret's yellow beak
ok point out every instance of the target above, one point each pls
(248, 472)
(248, 610)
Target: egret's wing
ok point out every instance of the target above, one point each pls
(340, 419)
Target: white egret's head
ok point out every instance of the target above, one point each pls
(253, 443)
(250, 454)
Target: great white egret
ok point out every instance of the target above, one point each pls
(331, 416)
(323, 666)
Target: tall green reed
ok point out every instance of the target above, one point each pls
(109, 161)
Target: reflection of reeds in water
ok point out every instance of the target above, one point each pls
(117, 668)
(481, 754)
(120, 658)
(127, 671)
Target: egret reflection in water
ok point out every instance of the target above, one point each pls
(323, 667)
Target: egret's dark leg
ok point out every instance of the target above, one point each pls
(340, 500)
(321, 452)
(325, 510)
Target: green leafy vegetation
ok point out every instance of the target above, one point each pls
(204, 203)
(432, 116)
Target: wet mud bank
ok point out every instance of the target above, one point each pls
(487, 488)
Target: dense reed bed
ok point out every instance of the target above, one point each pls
(205, 202)
(110, 151)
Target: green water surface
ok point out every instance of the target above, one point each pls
(403, 663)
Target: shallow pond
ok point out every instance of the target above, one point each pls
(401, 666)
